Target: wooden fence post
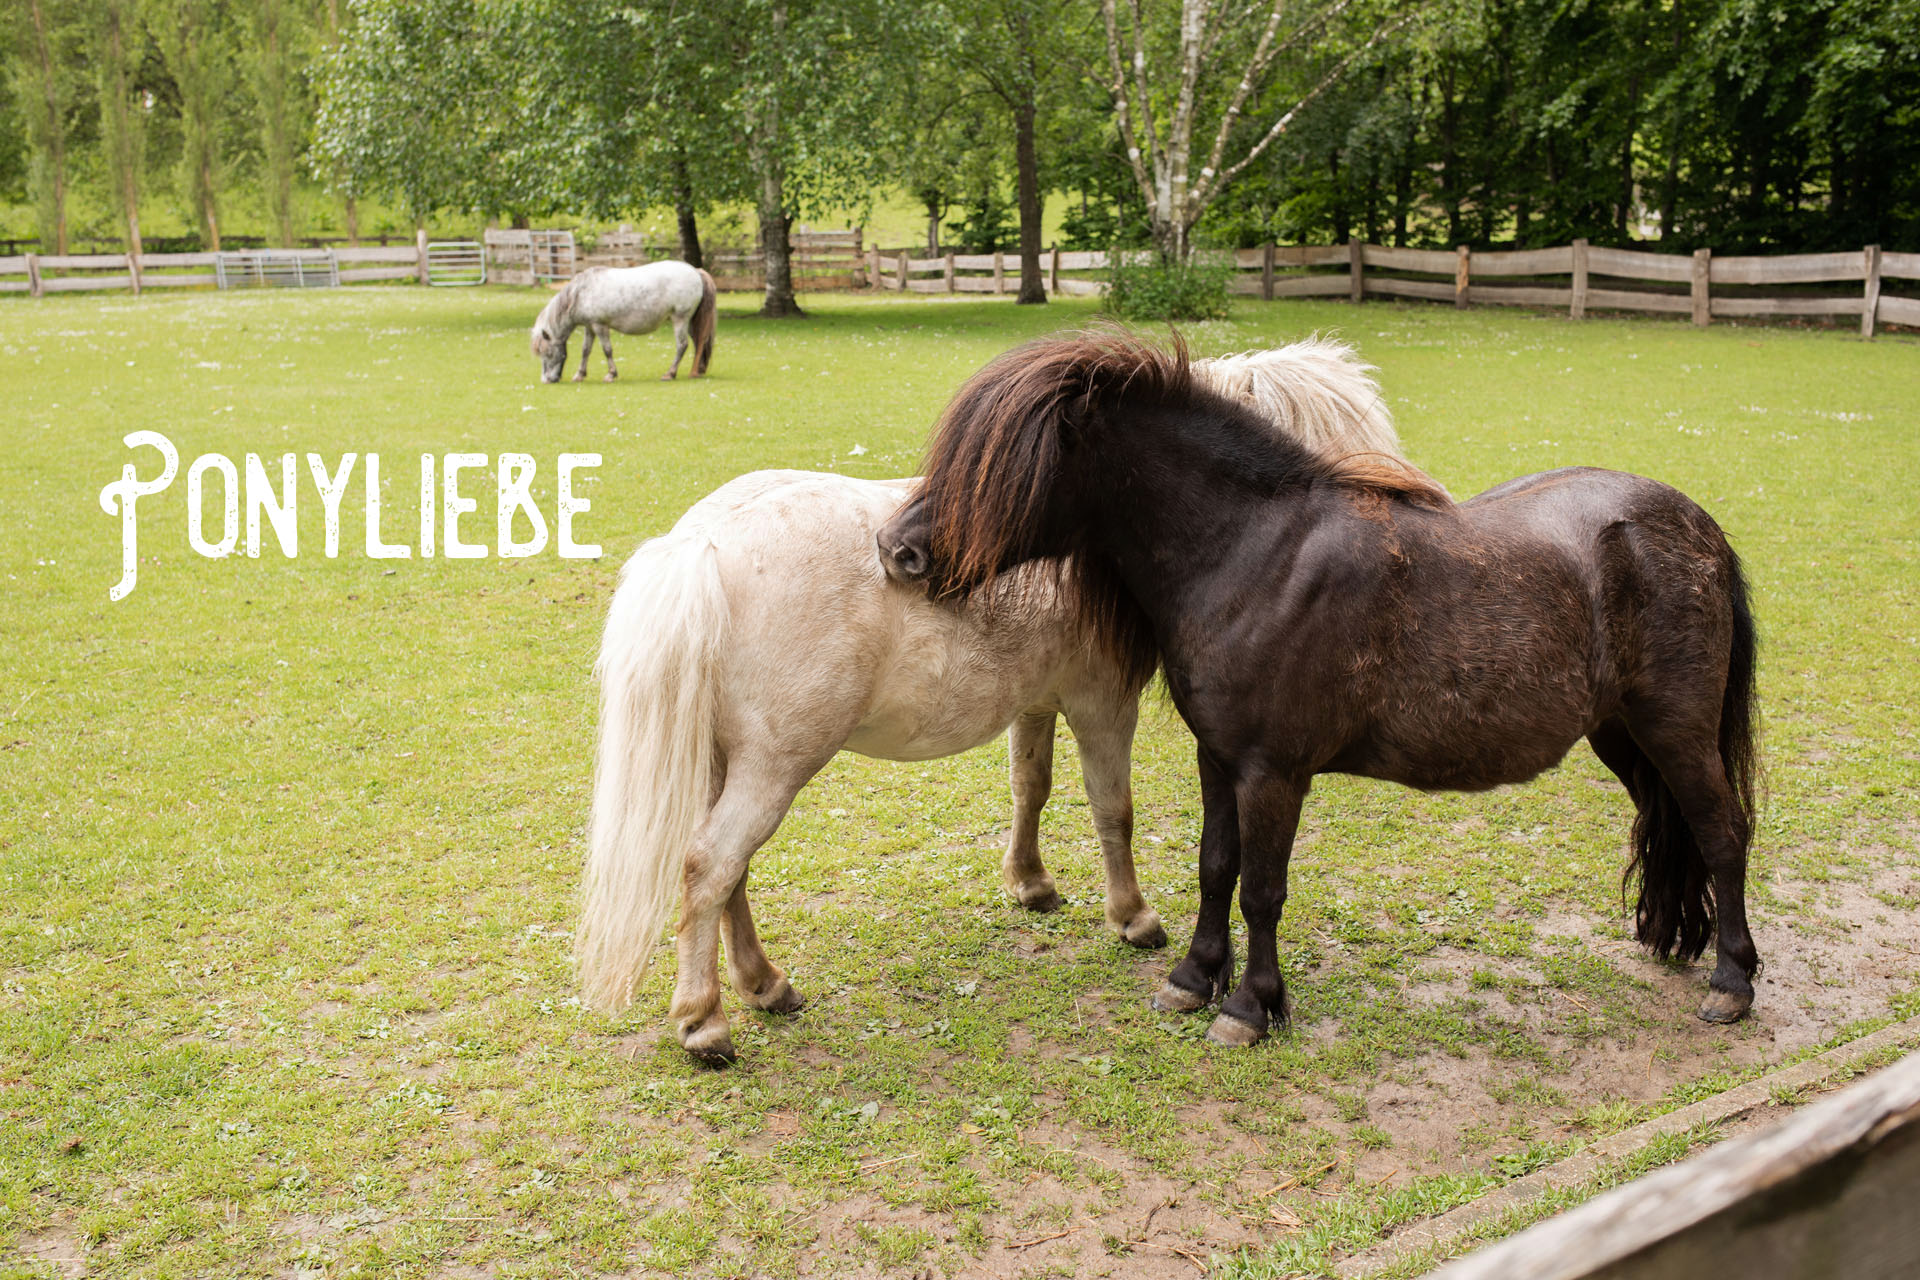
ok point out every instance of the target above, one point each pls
(873, 266)
(1702, 298)
(1462, 274)
(420, 249)
(1356, 261)
(1869, 302)
(1266, 271)
(1053, 272)
(34, 287)
(901, 284)
(1578, 311)
(953, 285)
(133, 271)
(999, 271)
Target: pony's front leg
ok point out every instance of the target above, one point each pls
(1030, 769)
(760, 982)
(679, 350)
(746, 814)
(606, 349)
(1105, 738)
(1207, 971)
(1269, 815)
(586, 351)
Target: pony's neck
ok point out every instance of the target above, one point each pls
(1168, 494)
(557, 317)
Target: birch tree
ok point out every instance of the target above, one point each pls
(198, 54)
(42, 73)
(116, 55)
(1161, 88)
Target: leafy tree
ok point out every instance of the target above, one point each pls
(276, 44)
(197, 47)
(43, 69)
(115, 49)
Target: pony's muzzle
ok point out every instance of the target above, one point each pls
(903, 561)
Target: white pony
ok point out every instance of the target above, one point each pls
(631, 300)
(760, 636)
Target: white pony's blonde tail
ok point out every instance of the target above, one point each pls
(653, 776)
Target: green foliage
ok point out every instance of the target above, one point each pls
(1151, 289)
(985, 223)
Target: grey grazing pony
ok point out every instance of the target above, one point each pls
(631, 300)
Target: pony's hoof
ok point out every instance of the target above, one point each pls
(710, 1043)
(666, 377)
(610, 377)
(1041, 897)
(1145, 931)
(1177, 999)
(1725, 1006)
(781, 998)
(579, 377)
(1233, 1033)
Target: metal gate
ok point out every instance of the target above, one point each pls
(456, 262)
(277, 268)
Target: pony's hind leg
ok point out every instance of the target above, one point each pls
(679, 348)
(606, 349)
(1105, 738)
(760, 982)
(1690, 846)
(742, 819)
(1207, 971)
(1030, 769)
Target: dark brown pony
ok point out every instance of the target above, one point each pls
(1344, 616)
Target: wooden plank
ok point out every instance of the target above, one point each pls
(16, 265)
(170, 260)
(1312, 255)
(1896, 310)
(973, 261)
(1633, 264)
(1870, 296)
(16, 286)
(926, 264)
(1638, 300)
(927, 286)
(1796, 268)
(84, 284)
(1577, 304)
(1436, 290)
(1432, 261)
(1082, 260)
(1248, 285)
(1523, 262)
(1786, 306)
(83, 261)
(358, 275)
(178, 281)
(1520, 295)
(1081, 288)
(1701, 298)
(1903, 266)
(1827, 1193)
(1326, 286)
(974, 284)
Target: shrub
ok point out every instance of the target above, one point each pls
(1166, 291)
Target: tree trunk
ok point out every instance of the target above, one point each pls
(119, 127)
(353, 221)
(683, 213)
(49, 139)
(1033, 284)
(775, 249)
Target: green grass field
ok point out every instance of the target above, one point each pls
(289, 848)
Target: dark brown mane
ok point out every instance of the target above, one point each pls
(1395, 477)
(995, 457)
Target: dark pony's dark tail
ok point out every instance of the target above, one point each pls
(1675, 913)
(703, 323)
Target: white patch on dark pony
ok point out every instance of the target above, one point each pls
(603, 300)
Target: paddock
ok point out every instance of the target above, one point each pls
(291, 846)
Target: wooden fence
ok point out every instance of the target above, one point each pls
(1579, 277)
(40, 274)
(1828, 1193)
